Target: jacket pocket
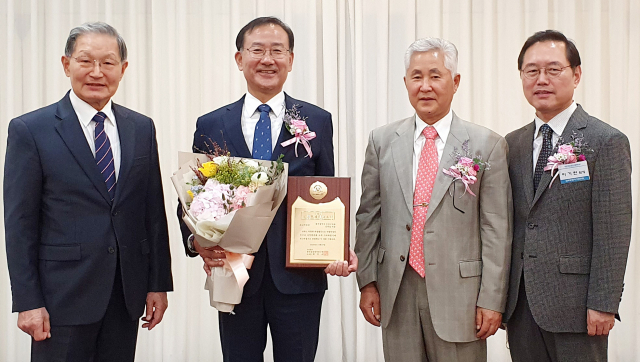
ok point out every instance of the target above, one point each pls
(380, 254)
(60, 252)
(144, 246)
(470, 268)
(140, 160)
(574, 264)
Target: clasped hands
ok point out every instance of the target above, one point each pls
(212, 257)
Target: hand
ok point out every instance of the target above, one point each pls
(211, 256)
(35, 322)
(599, 323)
(370, 304)
(487, 322)
(156, 305)
(343, 268)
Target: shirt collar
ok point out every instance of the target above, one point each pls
(557, 123)
(85, 112)
(442, 126)
(251, 104)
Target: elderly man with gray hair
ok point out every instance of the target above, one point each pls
(85, 224)
(433, 232)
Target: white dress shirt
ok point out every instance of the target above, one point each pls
(442, 127)
(85, 114)
(557, 124)
(251, 116)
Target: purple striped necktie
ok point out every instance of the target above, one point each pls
(104, 155)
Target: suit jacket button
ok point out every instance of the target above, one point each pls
(408, 227)
(111, 250)
(531, 225)
(401, 257)
(114, 213)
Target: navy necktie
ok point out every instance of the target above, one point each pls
(104, 155)
(545, 152)
(262, 135)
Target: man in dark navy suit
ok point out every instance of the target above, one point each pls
(85, 226)
(288, 300)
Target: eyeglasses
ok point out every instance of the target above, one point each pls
(552, 71)
(275, 53)
(105, 64)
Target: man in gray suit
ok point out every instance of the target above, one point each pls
(571, 235)
(434, 262)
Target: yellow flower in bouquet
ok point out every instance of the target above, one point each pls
(209, 169)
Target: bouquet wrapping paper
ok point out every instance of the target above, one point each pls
(239, 233)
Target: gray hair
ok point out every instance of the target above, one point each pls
(430, 44)
(95, 28)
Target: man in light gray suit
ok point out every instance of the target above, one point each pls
(434, 262)
(571, 235)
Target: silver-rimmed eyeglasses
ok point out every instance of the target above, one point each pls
(275, 53)
(552, 71)
(105, 64)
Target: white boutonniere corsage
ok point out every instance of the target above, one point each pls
(298, 128)
(467, 167)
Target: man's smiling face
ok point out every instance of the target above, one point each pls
(265, 76)
(549, 95)
(430, 85)
(92, 82)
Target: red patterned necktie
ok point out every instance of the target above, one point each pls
(427, 171)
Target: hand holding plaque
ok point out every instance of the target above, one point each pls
(318, 221)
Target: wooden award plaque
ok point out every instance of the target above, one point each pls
(317, 220)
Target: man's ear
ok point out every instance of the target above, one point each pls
(124, 67)
(456, 82)
(65, 65)
(290, 62)
(577, 75)
(238, 57)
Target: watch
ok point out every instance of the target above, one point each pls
(190, 245)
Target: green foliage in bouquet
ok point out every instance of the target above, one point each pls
(232, 172)
(235, 173)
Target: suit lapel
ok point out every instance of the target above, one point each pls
(70, 131)
(402, 149)
(457, 135)
(284, 133)
(525, 160)
(127, 135)
(232, 121)
(577, 122)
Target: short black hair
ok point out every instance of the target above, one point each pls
(573, 56)
(257, 22)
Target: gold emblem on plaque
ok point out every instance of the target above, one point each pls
(318, 190)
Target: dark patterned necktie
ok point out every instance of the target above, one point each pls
(262, 135)
(545, 152)
(104, 155)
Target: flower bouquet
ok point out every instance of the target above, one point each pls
(220, 197)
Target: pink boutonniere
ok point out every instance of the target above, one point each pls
(298, 128)
(467, 167)
(567, 153)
